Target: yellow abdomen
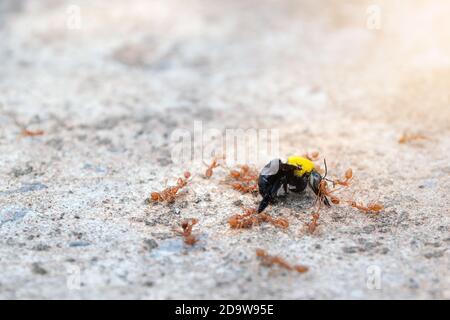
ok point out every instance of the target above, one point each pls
(306, 164)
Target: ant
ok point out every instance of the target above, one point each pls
(248, 219)
(30, 133)
(372, 207)
(235, 174)
(245, 179)
(187, 226)
(347, 177)
(324, 192)
(24, 132)
(313, 156)
(280, 222)
(268, 261)
(312, 226)
(211, 167)
(170, 193)
(243, 188)
(405, 138)
(243, 221)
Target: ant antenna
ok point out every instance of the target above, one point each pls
(326, 171)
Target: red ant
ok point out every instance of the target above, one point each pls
(312, 226)
(268, 261)
(372, 207)
(211, 167)
(30, 133)
(250, 218)
(405, 138)
(187, 226)
(246, 180)
(313, 156)
(169, 194)
(347, 177)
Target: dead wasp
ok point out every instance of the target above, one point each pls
(295, 175)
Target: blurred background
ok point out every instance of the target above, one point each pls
(386, 59)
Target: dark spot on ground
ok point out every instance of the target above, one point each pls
(55, 143)
(164, 162)
(75, 244)
(368, 229)
(26, 187)
(162, 235)
(41, 247)
(11, 214)
(238, 203)
(149, 283)
(36, 268)
(109, 123)
(150, 223)
(352, 249)
(22, 171)
(435, 254)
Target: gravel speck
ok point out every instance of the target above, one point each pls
(36, 268)
(13, 213)
(150, 244)
(41, 247)
(75, 244)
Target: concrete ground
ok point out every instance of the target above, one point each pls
(108, 82)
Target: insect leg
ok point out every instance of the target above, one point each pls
(264, 203)
(270, 195)
(314, 184)
(276, 186)
(285, 185)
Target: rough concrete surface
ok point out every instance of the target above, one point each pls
(110, 86)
